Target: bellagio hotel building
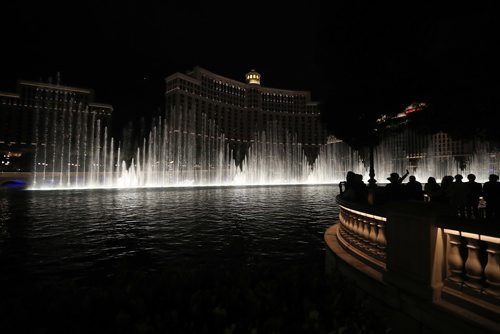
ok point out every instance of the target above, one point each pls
(242, 109)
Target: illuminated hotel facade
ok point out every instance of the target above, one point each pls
(416, 144)
(240, 110)
(46, 115)
(433, 154)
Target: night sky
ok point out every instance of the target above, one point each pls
(358, 60)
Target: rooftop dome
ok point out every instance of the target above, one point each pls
(253, 78)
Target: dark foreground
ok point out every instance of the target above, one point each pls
(256, 299)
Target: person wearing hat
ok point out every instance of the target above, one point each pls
(491, 190)
(394, 178)
(394, 190)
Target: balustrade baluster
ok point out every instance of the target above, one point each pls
(473, 268)
(381, 240)
(492, 270)
(347, 221)
(455, 261)
(363, 232)
(361, 228)
(351, 224)
(366, 230)
(373, 231)
(358, 227)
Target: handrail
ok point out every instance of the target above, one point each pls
(481, 227)
(362, 232)
(423, 249)
(473, 260)
(362, 207)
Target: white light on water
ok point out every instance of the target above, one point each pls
(173, 155)
(172, 158)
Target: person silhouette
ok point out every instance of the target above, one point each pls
(394, 190)
(347, 184)
(360, 188)
(474, 191)
(443, 195)
(413, 189)
(491, 190)
(458, 194)
(431, 188)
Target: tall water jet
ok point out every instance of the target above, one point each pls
(190, 150)
(334, 160)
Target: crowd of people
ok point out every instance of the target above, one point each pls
(466, 197)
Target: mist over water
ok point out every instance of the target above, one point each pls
(170, 157)
(73, 151)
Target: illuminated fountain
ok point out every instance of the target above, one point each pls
(166, 158)
(74, 151)
(175, 155)
(334, 160)
(423, 156)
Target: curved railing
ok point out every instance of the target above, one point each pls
(419, 249)
(472, 261)
(362, 232)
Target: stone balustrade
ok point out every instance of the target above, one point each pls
(363, 233)
(418, 249)
(473, 261)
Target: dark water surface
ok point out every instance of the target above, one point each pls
(177, 260)
(56, 232)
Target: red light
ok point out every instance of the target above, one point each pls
(411, 110)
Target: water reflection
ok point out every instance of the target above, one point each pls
(79, 233)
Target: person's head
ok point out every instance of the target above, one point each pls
(471, 177)
(431, 180)
(493, 178)
(350, 176)
(446, 181)
(412, 178)
(458, 178)
(393, 178)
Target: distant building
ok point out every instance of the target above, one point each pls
(46, 115)
(418, 144)
(434, 154)
(242, 109)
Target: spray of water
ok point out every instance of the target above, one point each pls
(75, 151)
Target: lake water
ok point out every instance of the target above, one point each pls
(179, 260)
(49, 234)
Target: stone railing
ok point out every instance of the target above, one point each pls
(419, 250)
(362, 232)
(472, 262)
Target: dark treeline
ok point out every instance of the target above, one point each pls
(377, 59)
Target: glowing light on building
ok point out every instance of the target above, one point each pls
(415, 107)
(253, 77)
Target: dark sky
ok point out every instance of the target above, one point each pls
(125, 50)
(360, 60)
(384, 57)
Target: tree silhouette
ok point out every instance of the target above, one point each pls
(377, 59)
